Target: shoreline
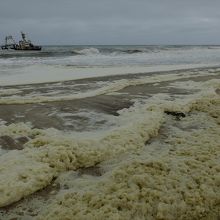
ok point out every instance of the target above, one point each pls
(89, 73)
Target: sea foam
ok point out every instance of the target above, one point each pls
(147, 173)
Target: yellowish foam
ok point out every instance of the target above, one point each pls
(55, 154)
(174, 178)
(181, 181)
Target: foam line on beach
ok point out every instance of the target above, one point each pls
(40, 73)
(111, 87)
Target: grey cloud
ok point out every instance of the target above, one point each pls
(113, 22)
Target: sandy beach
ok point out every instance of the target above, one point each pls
(140, 146)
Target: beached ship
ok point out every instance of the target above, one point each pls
(24, 44)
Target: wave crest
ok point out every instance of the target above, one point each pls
(87, 51)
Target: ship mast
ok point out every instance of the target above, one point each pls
(23, 36)
(9, 40)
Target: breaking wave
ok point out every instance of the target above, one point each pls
(87, 51)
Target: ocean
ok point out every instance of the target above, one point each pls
(73, 62)
(110, 132)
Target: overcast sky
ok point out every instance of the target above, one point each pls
(112, 21)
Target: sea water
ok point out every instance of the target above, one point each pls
(59, 63)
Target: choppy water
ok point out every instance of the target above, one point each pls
(112, 55)
(56, 63)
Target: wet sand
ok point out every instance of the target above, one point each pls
(41, 115)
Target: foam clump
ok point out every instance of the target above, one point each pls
(21, 175)
(45, 156)
(18, 130)
(180, 182)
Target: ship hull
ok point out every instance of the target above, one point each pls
(21, 49)
(32, 48)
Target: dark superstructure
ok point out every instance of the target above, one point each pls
(23, 44)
